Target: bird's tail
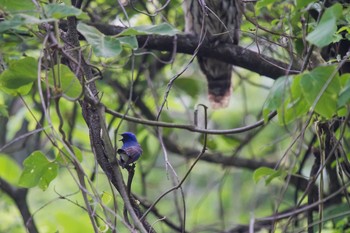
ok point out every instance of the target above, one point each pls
(218, 75)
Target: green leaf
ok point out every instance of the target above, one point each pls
(58, 11)
(268, 173)
(278, 94)
(9, 169)
(13, 23)
(295, 105)
(13, 6)
(38, 170)
(164, 29)
(323, 34)
(303, 3)
(344, 96)
(106, 197)
(19, 76)
(21, 20)
(69, 83)
(103, 46)
(263, 3)
(312, 85)
(129, 41)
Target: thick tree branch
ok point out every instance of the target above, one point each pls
(236, 55)
(101, 146)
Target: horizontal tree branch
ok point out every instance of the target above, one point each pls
(189, 127)
(233, 54)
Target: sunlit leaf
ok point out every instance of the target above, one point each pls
(38, 171)
(106, 197)
(323, 34)
(321, 87)
(13, 6)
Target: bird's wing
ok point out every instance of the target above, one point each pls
(133, 152)
(129, 154)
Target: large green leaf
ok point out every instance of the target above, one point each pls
(320, 87)
(303, 3)
(69, 83)
(59, 11)
(295, 105)
(21, 20)
(103, 46)
(19, 77)
(278, 94)
(164, 29)
(323, 34)
(13, 6)
(9, 169)
(38, 170)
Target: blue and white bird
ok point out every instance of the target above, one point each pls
(130, 151)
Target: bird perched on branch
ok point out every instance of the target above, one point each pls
(130, 151)
(219, 22)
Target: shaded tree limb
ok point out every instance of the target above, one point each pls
(101, 146)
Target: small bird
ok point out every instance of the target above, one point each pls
(130, 151)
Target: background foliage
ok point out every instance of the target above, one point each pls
(275, 160)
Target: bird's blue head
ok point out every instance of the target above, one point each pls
(129, 139)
